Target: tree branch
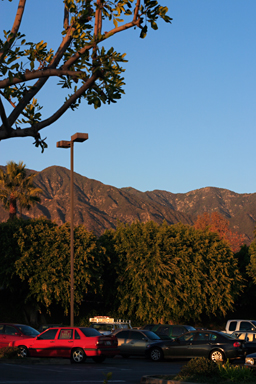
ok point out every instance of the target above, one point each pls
(40, 83)
(17, 22)
(33, 131)
(31, 75)
(3, 117)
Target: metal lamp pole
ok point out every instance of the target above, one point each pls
(77, 137)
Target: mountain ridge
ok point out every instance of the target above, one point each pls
(99, 206)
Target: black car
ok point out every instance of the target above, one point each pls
(133, 342)
(168, 331)
(148, 327)
(214, 345)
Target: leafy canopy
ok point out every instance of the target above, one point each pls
(82, 65)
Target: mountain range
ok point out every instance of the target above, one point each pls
(98, 206)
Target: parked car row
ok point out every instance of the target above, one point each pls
(79, 343)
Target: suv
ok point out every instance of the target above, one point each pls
(167, 331)
(106, 325)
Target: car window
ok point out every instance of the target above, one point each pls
(49, 334)
(122, 335)
(66, 334)
(163, 330)
(136, 335)
(77, 336)
(202, 336)
(27, 330)
(188, 337)
(245, 326)
(1, 329)
(9, 330)
(213, 337)
(151, 335)
(232, 326)
(177, 330)
(250, 337)
(90, 332)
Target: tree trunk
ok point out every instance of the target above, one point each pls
(13, 207)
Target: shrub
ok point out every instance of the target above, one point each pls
(200, 366)
(235, 373)
(9, 353)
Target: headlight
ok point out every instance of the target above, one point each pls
(249, 360)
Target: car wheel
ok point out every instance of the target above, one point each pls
(156, 354)
(77, 356)
(23, 351)
(99, 359)
(217, 356)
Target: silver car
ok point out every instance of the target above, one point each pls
(134, 341)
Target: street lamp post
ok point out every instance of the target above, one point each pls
(77, 137)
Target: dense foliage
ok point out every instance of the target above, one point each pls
(146, 272)
(40, 262)
(174, 272)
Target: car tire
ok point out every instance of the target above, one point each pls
(23, 351)
(77, 356)
(99, 359)
(156, 354)
(217, 356)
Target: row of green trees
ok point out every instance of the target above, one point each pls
(146, 272)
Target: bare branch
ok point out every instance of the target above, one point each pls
(3, 117)
(136, 12)
(17, 22)
(66, 17)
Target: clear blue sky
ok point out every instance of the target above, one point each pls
(188, 118)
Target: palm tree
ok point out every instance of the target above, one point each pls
(17, 187)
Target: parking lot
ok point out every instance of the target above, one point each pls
(128, 371)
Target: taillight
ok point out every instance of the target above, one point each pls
(237, 344)
(100, 342)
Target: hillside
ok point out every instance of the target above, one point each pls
(99, 206)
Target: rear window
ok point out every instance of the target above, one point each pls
(102, 327)
(151, 335)
(90, 332)
(28, 331)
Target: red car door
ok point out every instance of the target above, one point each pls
(64, 342)
(44, 345)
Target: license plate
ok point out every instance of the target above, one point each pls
(108, 342)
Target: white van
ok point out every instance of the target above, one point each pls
(240, 325)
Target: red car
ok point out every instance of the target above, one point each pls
(75, 343)
(15, 332)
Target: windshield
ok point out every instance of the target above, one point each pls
(254, 322)
(28, 331)
(90, 332)
(151, 335)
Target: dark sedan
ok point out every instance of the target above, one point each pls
(214, 345)
(134, 341)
